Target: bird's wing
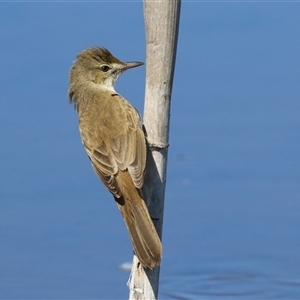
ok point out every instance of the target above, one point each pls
(125, 150)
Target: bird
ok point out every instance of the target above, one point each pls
(112, 134)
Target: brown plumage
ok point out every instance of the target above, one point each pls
(110, 129)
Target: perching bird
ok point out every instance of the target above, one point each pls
(111, 132)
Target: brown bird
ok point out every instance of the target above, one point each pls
(111, 132)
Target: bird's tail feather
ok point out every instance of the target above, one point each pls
(144, 238)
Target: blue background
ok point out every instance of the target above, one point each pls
(232, 210)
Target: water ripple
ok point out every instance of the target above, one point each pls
(229, 284)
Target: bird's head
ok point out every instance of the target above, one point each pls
(97, 66)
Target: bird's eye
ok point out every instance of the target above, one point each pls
(104, 68)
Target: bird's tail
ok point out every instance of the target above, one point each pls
(145, 240)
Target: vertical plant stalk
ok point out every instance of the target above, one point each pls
(162, 23)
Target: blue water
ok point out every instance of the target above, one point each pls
(232, 210)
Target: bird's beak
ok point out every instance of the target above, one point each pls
(132, 64)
